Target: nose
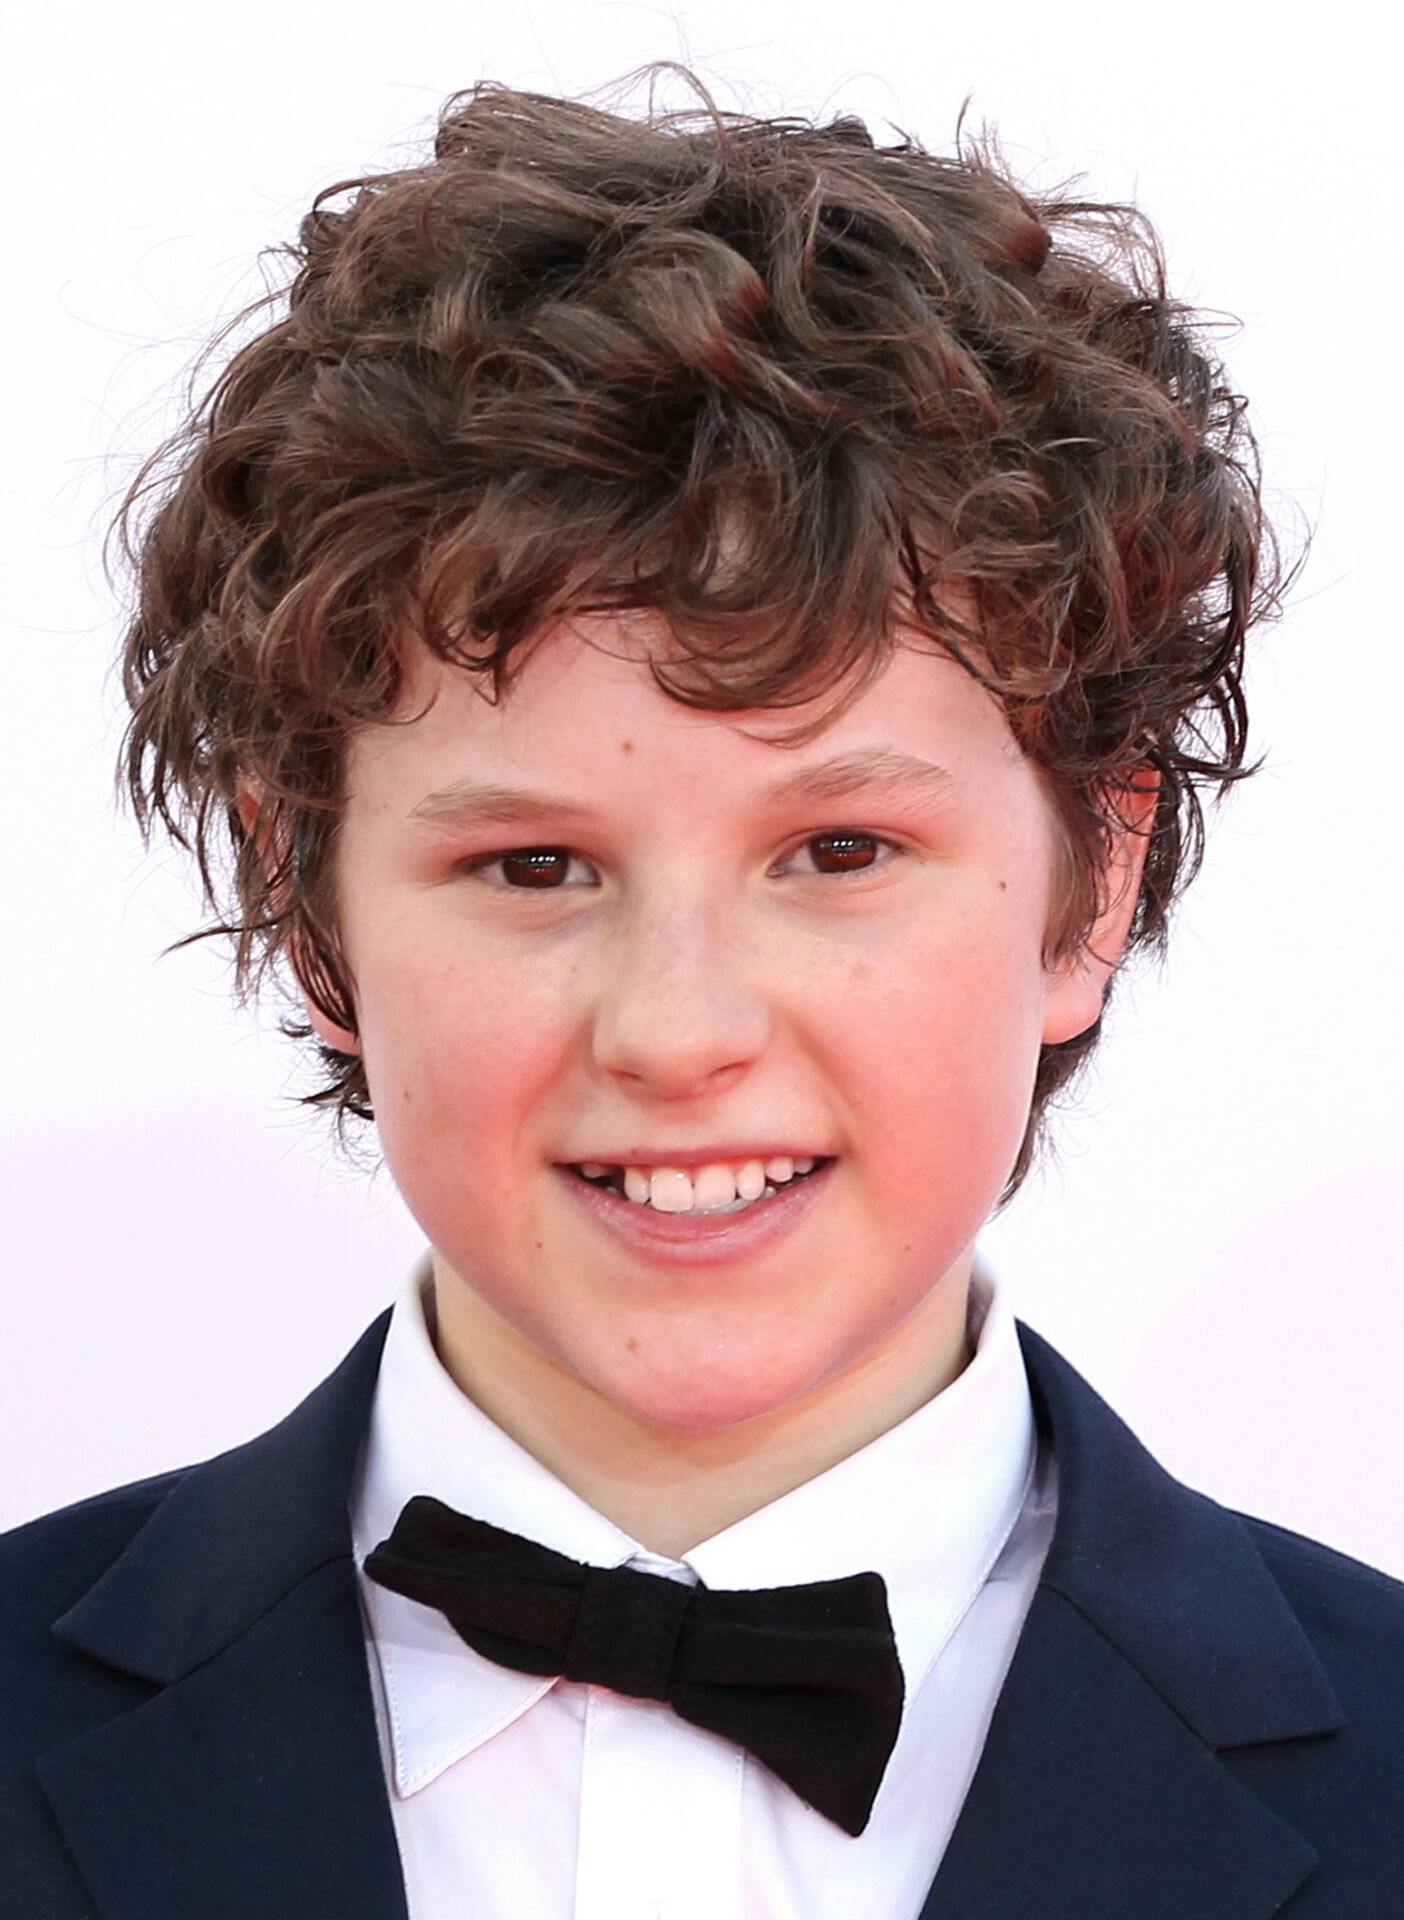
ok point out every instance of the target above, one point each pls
(679, 1002)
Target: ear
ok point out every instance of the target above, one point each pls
(1078, 987)
(250, 804)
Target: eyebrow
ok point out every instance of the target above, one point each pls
(467, 802)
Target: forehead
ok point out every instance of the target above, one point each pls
(585, 716)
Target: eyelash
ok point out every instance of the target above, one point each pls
(481, 861)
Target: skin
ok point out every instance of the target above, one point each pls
(700, 970)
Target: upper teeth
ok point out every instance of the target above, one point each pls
(672, 1190)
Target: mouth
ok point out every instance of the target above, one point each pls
(699, 1237)
(613, 1181)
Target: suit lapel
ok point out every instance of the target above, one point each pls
(252, 1786)
(1156, 1638)
(251, 1783)
(1093, 1797)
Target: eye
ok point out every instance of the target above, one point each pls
(849, 846)
(540, 865)
(536, 869)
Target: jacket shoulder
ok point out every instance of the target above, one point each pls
(49, 1692)
(48, 1563)
(1353, 1615)
(1301, 1562)
(46, 1566)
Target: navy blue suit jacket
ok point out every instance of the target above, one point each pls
(1204, 1718)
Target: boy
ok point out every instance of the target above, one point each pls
(699, 1534)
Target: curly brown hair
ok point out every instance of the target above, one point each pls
(761, 375)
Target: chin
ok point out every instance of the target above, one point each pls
(693, 1405)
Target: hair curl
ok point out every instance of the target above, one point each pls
(760, 375)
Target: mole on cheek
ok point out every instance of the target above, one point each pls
(631, 1345)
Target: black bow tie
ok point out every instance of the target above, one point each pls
(806, 1678)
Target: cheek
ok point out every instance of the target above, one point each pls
(949, 1048)
(451, 1053)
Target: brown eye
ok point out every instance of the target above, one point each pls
(852, 851)
(526, 869)
(538, 866)
(540, 869)
(849, 847)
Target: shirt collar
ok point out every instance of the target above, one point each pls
(962, 1464)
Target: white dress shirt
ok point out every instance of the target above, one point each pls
(517, 1797)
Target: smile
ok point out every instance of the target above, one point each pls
(690, 1238)
(710, 1190)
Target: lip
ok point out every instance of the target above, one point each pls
(697, 1239)
(728, 1155)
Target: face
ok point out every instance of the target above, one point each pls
(686, 961)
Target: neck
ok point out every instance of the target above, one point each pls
(671, 1489)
